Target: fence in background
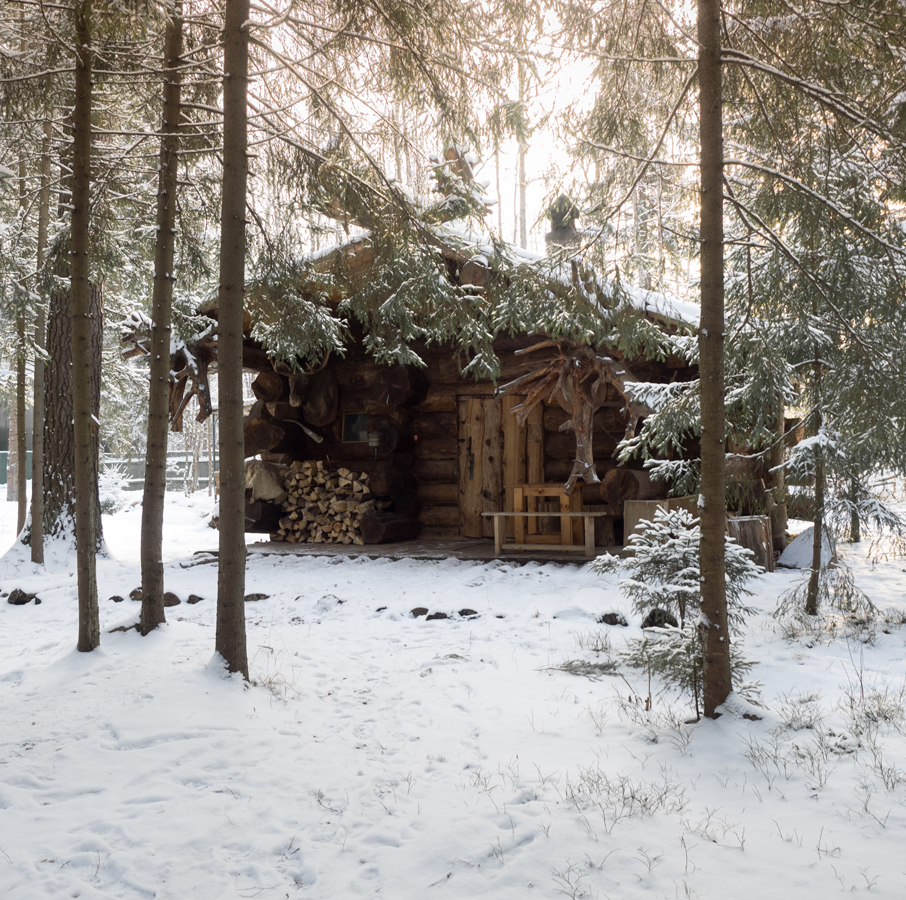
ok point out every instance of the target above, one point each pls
(180, 470)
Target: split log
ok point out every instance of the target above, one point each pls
(270, 386)
(382, 528)
(754, 533)
(322, 402)
(260, 431)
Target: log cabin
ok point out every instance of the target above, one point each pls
(371, 453)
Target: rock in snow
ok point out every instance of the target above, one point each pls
(798, 553)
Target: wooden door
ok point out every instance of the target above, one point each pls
(495, 455)
(480, 464)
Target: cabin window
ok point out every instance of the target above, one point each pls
(355, 428)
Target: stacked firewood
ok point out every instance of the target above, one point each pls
(325, 505)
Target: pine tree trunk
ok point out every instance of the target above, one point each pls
(814, 580)
(21, 383)
(523, 227)
(85, 427)
(855, 526)
(37, 453)
(12, 456)
(21, 430)
(230, 641)
(777, 478)
(716, 683)
(152, 613)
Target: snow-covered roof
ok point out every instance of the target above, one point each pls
(479, 248)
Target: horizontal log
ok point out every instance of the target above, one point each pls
(439, 494)
(431, 425)
(439, 401)
(433, 471)
(441, 516)
(563, 446)
(608, 420)
(437, 448)
(382, 528)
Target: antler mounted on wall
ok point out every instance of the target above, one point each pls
(577, 376)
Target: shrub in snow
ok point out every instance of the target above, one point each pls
(112, 493)
(663, 571)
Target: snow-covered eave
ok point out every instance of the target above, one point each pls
(670, 311)
(466, 244)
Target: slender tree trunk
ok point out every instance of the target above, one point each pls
(855, 526)
(84, 421)
(814, 580)
(230, 640)
(37, 453)
(12, 456)
(161, 302)
(21, 429)
(778, 487)
(716, 683)
(21, 384)
(522, 144)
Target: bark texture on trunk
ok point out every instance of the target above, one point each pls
(12, 456)
(716, 683)
(230, 641)
(21, 430)
(85, 426)
(778, 511)
(158, 398)
(37, 453)
(21, 381)
(814, 580)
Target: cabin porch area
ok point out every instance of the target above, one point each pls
(464, 548)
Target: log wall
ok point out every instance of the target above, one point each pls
(416, 420)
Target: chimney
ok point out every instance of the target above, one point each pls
(563, 234)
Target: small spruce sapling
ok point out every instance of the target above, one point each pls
(663, 571)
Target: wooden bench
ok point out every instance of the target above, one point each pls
(588, 546)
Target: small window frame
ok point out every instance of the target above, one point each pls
(355, 428)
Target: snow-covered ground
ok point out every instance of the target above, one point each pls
(380, 754)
